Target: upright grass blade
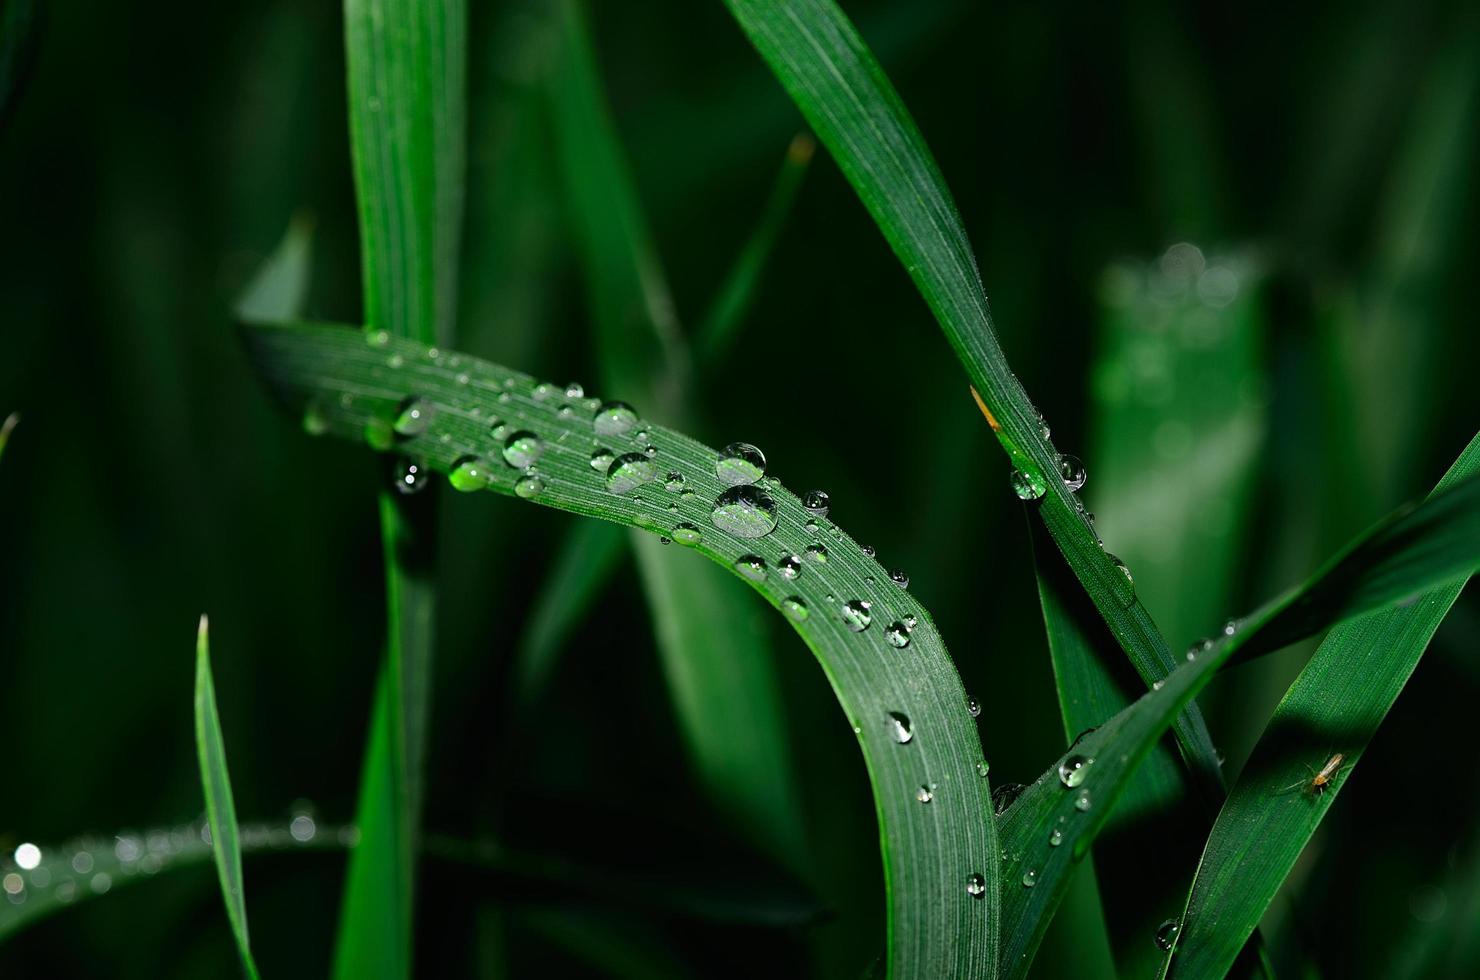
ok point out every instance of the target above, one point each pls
(19, 25)
(1333, 708)
(1441, 544)
(210, 746)
(906, 703)
(719, 668)
(833, 78)
(407, 79)
(7, 427)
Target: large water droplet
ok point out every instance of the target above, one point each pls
(412, 475)
(1027, 486)
(794, 607)
(1005, 796)
(740, 464)
(601, 459)
(974, 707)
(1074, 769)
(673, 481)
(468, 474)
(789, 566)
(412, 418)
(544, 391)
(976, 885)
(630, 471)
(899, 578)
(856, 615)
(752, 567)
(1166, 934)
(1071, 471)
(1030, 878)
(745, 512)
(982, 768)
(523, 449)
(899, 727)
(574, 390)
(687, 535)
(816, 502)
(1055, 837)
(817, 553)
(897, 636)
(613, 419)
(529, 486)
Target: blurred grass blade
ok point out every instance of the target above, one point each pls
(19, 34)
(1333, 708)
(720, 327)
(1076, 799)
(210, 746)
(7, 427)
(407, 64)
(844, 94)
(720, 671)
(908, 711)
(278, 289)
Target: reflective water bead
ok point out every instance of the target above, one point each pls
(1082, 803)
(1005, 796)
(1055, 837)
(529, 486)
(1166, 934)
(498, 429)
(687, 535)
(789, 566)
(899, 727)
(899, 578)
(574, 390)
(650, 451)
(468, 474)
(628, 472)
(601, 459)
(856, 615)
(614, 419)
(924, 795)
(869, 551)
(752, 567)
(315, 419)
(816, 502)
(817, 553)
(982, 768)
(740, 464)
(673, 481)
(1026, 486)
(1074, 769)
(897, 636)
(1071, 470)
(909, 623)
(544, 391)
(745, 512)
(378, 338)
(976, 885)
(794, 607)
(1030, 878)
(974, 707)
(523, 449)
(411, 475)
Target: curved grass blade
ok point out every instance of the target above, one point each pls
(906, 703)
(220, 810)
(844, 94)
(1333, 708)
(1075, 800)
(407, 81)
(280, 285)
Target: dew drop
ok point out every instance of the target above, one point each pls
(899, 727)
(812, 527)
(794, 608)
(315, 419)
(752, 567)
(1074, 769)
(976, 885)
(523, 449)
(740, 464)
(816, 503)
(745, 512)
(856, 615)
(498, 429)
(1030, 878)
(650, 451)
(529, 486)
(687, 535)
(1055, 837)
(628, 472)
(909, 623)
(1071, 470)
(378, 338)
(601, 459)
(468, 474)
(982, 768)
(1005, 796)
(574, 390)
(924, 795)
(412, 417)
(614, 419)
(1230, 627)
(899, 578)
(412, 476)
(1027, 486)
(897, 636)
(817, 554)
(789, 566)
(974, 707)
(1082, 803)
(869, 550)
(1166, 934)
(673, 482)
(544, 391)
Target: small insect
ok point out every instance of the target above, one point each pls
(1320, 781)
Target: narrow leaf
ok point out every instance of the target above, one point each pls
(210, 746)
(7, 427)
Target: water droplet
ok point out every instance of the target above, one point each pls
(28, 856)
(982, 768)
(544, 391)
(498, 429)
(1071, 470)
(1157, 685)
(816, 502)
(529, 486)
(1082, 803)
(740, 463)
(1005, 796)
(745, 512)
(899, 578)
(641, 435)
(812, 527)
(379, 435)
(412, 417)
(664, 539)
(924, 795)
(817, 553)
(1166, 934)
(614, 419)
(752, 567)
(1044, 430)
(650, 451)
(523, 449)
(378, 338)
(1074, 769)
(687, 535)
(1030, 878)
(468, 474)
(899, 727)
(856, 615)
(1230, 628)
(897, 636)
(601, 459)
(302, 828)
(869, 551)
(574, 390)
(1027, 486)
(974, 707)
(976, 885)
(412, 476)
(1055, 837)
(673, 482)
(795, 608)
(789, 566)
(315, 419)
(909, 623)
(628, 472)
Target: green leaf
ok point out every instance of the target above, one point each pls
(930, 849)
(1333, 708)
(844, 94)
(280, 285)
(210, 746)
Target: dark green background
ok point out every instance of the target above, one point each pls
(152, 156)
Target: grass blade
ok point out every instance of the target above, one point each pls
(279, 287)
(220, 810)
(1334, 706)
(7, 427)
(840, 88)
(936, 927)
(407, 105)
